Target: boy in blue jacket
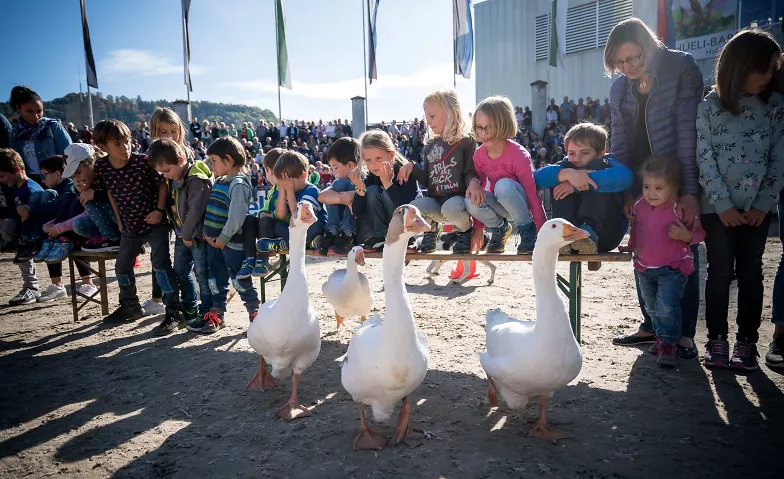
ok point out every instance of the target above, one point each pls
(586, 187)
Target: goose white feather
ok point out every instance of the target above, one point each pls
(347, 290)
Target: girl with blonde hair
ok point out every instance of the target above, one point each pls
(448, 171)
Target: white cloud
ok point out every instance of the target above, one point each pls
(142, 63)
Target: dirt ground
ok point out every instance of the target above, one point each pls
(81, 400)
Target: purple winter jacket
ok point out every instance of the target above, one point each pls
(670, 114)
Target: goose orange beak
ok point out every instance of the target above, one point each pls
(572, 233)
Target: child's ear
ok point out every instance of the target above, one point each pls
(352, 164)
(603, 153)
(181, 161)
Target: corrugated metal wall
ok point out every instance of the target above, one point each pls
(505, 57)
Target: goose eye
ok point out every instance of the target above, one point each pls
(552, 226)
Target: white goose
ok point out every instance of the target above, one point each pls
(348, 290)
(387, 358)
(286, 330)
(525, 359)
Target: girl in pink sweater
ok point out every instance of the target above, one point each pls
(509, 197)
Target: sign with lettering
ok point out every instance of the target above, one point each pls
(703, 27)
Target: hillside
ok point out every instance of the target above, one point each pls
(69, 108)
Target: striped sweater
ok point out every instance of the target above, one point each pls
(227, 208)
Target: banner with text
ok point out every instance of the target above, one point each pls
(703, 27)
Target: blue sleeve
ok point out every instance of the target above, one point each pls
(61, 138)
(547, 176)
(615, 179)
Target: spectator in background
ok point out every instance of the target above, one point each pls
(580, 111)
(86, 135)
(552, 115)
(72, 132)
(196, 128)
(565, 112)
(527, 118)
(347, 128)
(519, 116)
(261, 132)
(394, 132)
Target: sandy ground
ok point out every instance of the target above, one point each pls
(80, 400)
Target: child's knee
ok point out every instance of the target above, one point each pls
(506, 187)
(124, 279)
(342, 184)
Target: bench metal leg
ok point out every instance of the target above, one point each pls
(573, 289)
(102, 287)
(284, 273)
(73, 290)
(282, 270)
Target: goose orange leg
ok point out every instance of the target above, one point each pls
(367, 439)
(362, 319)
(403, 421)
(293, 409)
(263, 380)
(339, 319)
(492, 394)
(541, 431)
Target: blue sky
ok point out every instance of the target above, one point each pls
(138, 51)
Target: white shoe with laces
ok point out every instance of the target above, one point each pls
(86, 289)
(152, 308)
(51, 293)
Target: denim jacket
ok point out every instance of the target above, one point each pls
(51, 141)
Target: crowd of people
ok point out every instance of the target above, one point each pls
(680, 169)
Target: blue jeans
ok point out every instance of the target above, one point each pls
(662, 291)
(223, 266)
(508, 201)
(379, 210)
(690, 303)
(777, 316)
(339, 217)
(185, 260)
(100, 221)
(130, 247)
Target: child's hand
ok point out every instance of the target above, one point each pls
(214, 242)
(732, 217)
(626, 249)
(405, 172)
(579, 179)
(387, 172)
(678, 231)
(477, 240)
(356, 179)
(754, 217)
(628, 211)
(49, 229)
(153, 217)
(24, 212)
(475, 194)
(265, 215)
(187, 243)
(86, 195)
(285, 183)
(562, 190)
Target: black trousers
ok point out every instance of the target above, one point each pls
(735, 250)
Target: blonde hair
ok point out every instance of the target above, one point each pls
(635, 31)
(455, 128)
(166, 115)
(502, 117)
(381, 140)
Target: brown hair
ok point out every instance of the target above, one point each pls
(291, 164)
(272, 157)
(381, 140)
(663, 166)
(53, 163)
(593, 135)
(10, 160)
(748, 51)
(165, 115)
(110, 130)
(635, 31)
(165, 151)
(502, 117)
(344, 150)
(228, 146)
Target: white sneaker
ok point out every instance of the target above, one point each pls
(52, 292)
(151, 308)
(86, 289)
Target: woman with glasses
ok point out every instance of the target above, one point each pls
(653, 111)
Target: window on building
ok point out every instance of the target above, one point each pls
(542, 36)
(611, 12)
(581, 32)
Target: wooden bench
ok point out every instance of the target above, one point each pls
(572, 287)
(82, 257)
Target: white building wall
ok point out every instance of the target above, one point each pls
(506, 61)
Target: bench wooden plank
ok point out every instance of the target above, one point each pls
(499, 257)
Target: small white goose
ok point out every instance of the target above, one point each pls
(347, 290)
(526, 359)
(387, 358)
(286, 330)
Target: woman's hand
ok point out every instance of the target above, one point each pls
(405, 172)
(732, 218)
(688, 210)
(754, 217)
(477, 240)
(628, 210)
(475, 194)
(678, 231)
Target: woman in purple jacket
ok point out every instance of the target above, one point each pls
(653, 111)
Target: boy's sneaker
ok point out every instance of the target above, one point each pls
(246, 269)
(666, 356)
(260, 267)
(46, 246)
(744, 356)
(587, 245)
(101, 245)
(26, 296)
(322, 244)
(498, 237)
(430, 239)
(59, 252)
(272, 245)
(654, 348)
(252, 315)
(127, 312)
(463, 243)
(153, 308)
(174, 321)
(52, 292)
(341, 245)
(717, 354)
(191, 314)
(374, 244)
(209, 323)
(527, 234)
(774, 358)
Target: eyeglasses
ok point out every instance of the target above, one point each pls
(634, 61)
(483, 129)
